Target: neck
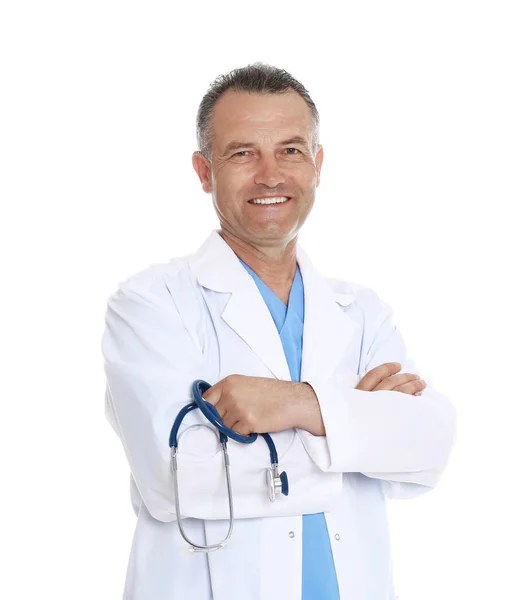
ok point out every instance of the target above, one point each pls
(275, 265)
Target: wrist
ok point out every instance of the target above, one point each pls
(307, 414)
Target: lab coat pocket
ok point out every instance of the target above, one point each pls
(201, 479)
(257, 454)
(199, 443)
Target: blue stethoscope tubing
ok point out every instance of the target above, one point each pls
(277, 483)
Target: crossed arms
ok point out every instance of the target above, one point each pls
(150, 363)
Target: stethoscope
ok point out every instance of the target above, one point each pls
(276, 483)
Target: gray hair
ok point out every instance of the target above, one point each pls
(256, 78)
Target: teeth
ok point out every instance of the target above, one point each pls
(269, 200)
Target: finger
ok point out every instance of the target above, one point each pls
(229, 420)
(214, 394)
(221, 408)
(378, 374)
(238, 427)
(411, 387)
(390, 383)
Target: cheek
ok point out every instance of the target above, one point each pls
(231, 180)
(305, 174)
(310, 172)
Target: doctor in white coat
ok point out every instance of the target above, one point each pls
(353, 426)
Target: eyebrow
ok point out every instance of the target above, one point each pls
(296, 139)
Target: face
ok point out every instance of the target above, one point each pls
(262, 147)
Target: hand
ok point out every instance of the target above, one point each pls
(257, 404)
(383, 378)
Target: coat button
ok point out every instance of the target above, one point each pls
(337, 536)
(291, 534)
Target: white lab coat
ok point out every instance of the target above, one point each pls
(202, 317)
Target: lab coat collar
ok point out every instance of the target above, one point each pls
(328, 331)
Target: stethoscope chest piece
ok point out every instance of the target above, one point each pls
(277, 484)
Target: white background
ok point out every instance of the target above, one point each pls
(423, 195)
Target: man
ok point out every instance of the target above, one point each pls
(317, 362)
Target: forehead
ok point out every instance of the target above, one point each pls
(237, 115)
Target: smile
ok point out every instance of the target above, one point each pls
(278, 200)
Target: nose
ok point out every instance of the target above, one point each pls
(268, 172)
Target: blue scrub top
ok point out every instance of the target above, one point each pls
(319, 580)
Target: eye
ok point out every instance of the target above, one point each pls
(298, 151)
(240, 153)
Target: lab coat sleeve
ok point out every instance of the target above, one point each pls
(151, 358)
(150, 362)
(401, 439)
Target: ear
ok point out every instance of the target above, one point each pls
(319, 163)
(202, 166)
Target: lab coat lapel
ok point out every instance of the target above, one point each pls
(328, 331)
(247, 314)
(218, 268)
